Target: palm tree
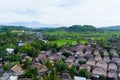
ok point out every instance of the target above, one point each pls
(52, 76)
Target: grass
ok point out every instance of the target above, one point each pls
(64, 42)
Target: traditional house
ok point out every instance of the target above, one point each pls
(105, 52)
(98, 58)
(91, 62)
(106, 58)
(66, 76)
(52, 57)
(99, 71)
(96, 53)
(17, 70)
(88, 67)
(116, 59)
(112, 66)
(101, 64)
(41, 69)
(112, 74)
(48, 53)
(42, 57)
(79, 54)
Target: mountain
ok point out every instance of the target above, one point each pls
(33, 24)
(76, 28)
(112, 27)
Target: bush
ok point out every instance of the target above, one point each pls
(84, 73)
(66, 54)
(82, 62)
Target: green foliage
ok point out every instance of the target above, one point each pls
(101, 53)
(119, 53)
(12, 57)
(48, 64)
(31, 73)
(27, 64)
(66, 54)
(84, 73)
(52, 76)
(73, 70)
(102, 77)
(107, 47)
(82, 62)
(110, 55)
(61, 66)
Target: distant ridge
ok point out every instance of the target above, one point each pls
(33, 24)
(112, 27)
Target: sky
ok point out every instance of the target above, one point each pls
(64, 12)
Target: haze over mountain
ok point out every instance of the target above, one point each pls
(33, 24)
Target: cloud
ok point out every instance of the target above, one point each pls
(64, 12)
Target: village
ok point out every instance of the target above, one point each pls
(82, 56)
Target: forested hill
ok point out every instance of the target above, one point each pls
(76, 28)
(111, 28)
(10, 28)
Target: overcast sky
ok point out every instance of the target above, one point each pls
(64, 12)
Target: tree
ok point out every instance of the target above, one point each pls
(84, 73)
(61, 66)
(27, 63)
(73, 70)
(52, 76)
(66, 54)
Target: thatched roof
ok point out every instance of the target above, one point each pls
(52, 57)
(114, 52)
(99, 71)
(40, 67)
(98, 58)
(105, 52)
(16, 69)
(80, 53)
(80, 59)
(112, 66)
(102, 64)
(70, 59)
(48, 53)
(89, 55)
(96, 52)
(42, 57)
(112, 74)
(88, 67)
(91, 62)
(106, 59)
(116, 59)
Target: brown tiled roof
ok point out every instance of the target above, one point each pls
(16, 68)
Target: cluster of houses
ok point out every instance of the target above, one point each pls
(96, 64)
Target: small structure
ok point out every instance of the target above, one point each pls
(17, 70)
(10, 50)
(79, 78)
(66, 76)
